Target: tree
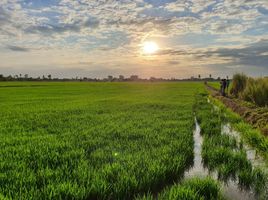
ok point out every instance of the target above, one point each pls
(121, 77)
(9, 78)
(210, 76)
(110, 78)
(199, 76)
(134, 77)
(49, 76)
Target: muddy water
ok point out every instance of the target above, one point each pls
(231, 190)
(197, 169)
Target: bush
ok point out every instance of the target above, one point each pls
(238, 84)
(249, 89)
(256, 91)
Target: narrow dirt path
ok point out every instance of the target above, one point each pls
(254, 115)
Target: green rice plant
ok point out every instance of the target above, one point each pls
(221, 153)
(225, 141)
(255, 179)
(148, 196)
(246, 178)
(193, 189)
(260, 181)
(211, 127)
(94, 140)
(251, 135)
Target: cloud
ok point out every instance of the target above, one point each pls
(50, 29)
(254, 54)
(199, 31)
(4, 17)
(173, 62)
(17, 48)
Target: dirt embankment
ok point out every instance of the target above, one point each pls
(254, 115)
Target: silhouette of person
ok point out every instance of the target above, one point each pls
(221, 83)
(227, 85)
(224, 85)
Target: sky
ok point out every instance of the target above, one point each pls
(97, 38)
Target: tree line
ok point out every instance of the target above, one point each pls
(110, 78)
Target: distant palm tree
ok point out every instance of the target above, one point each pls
(49, 76)
(210, 76)
(199, 76)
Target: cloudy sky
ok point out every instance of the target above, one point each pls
(96, 38)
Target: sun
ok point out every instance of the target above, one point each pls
(150, 47)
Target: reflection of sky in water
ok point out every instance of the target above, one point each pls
(252, 155)
(230, 190)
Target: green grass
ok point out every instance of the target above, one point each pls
(216, 84)
(93, 140)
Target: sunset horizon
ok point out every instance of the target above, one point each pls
(161, 38)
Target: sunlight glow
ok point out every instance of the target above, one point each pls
(150, 48)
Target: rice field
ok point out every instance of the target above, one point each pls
(224, 154)
(113, 141)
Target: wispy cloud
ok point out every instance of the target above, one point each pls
(211, 32)
(16, 48)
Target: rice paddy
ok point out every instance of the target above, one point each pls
(114, 141)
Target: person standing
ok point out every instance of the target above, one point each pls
(224, 85)
(221, 88)
(227, 85)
